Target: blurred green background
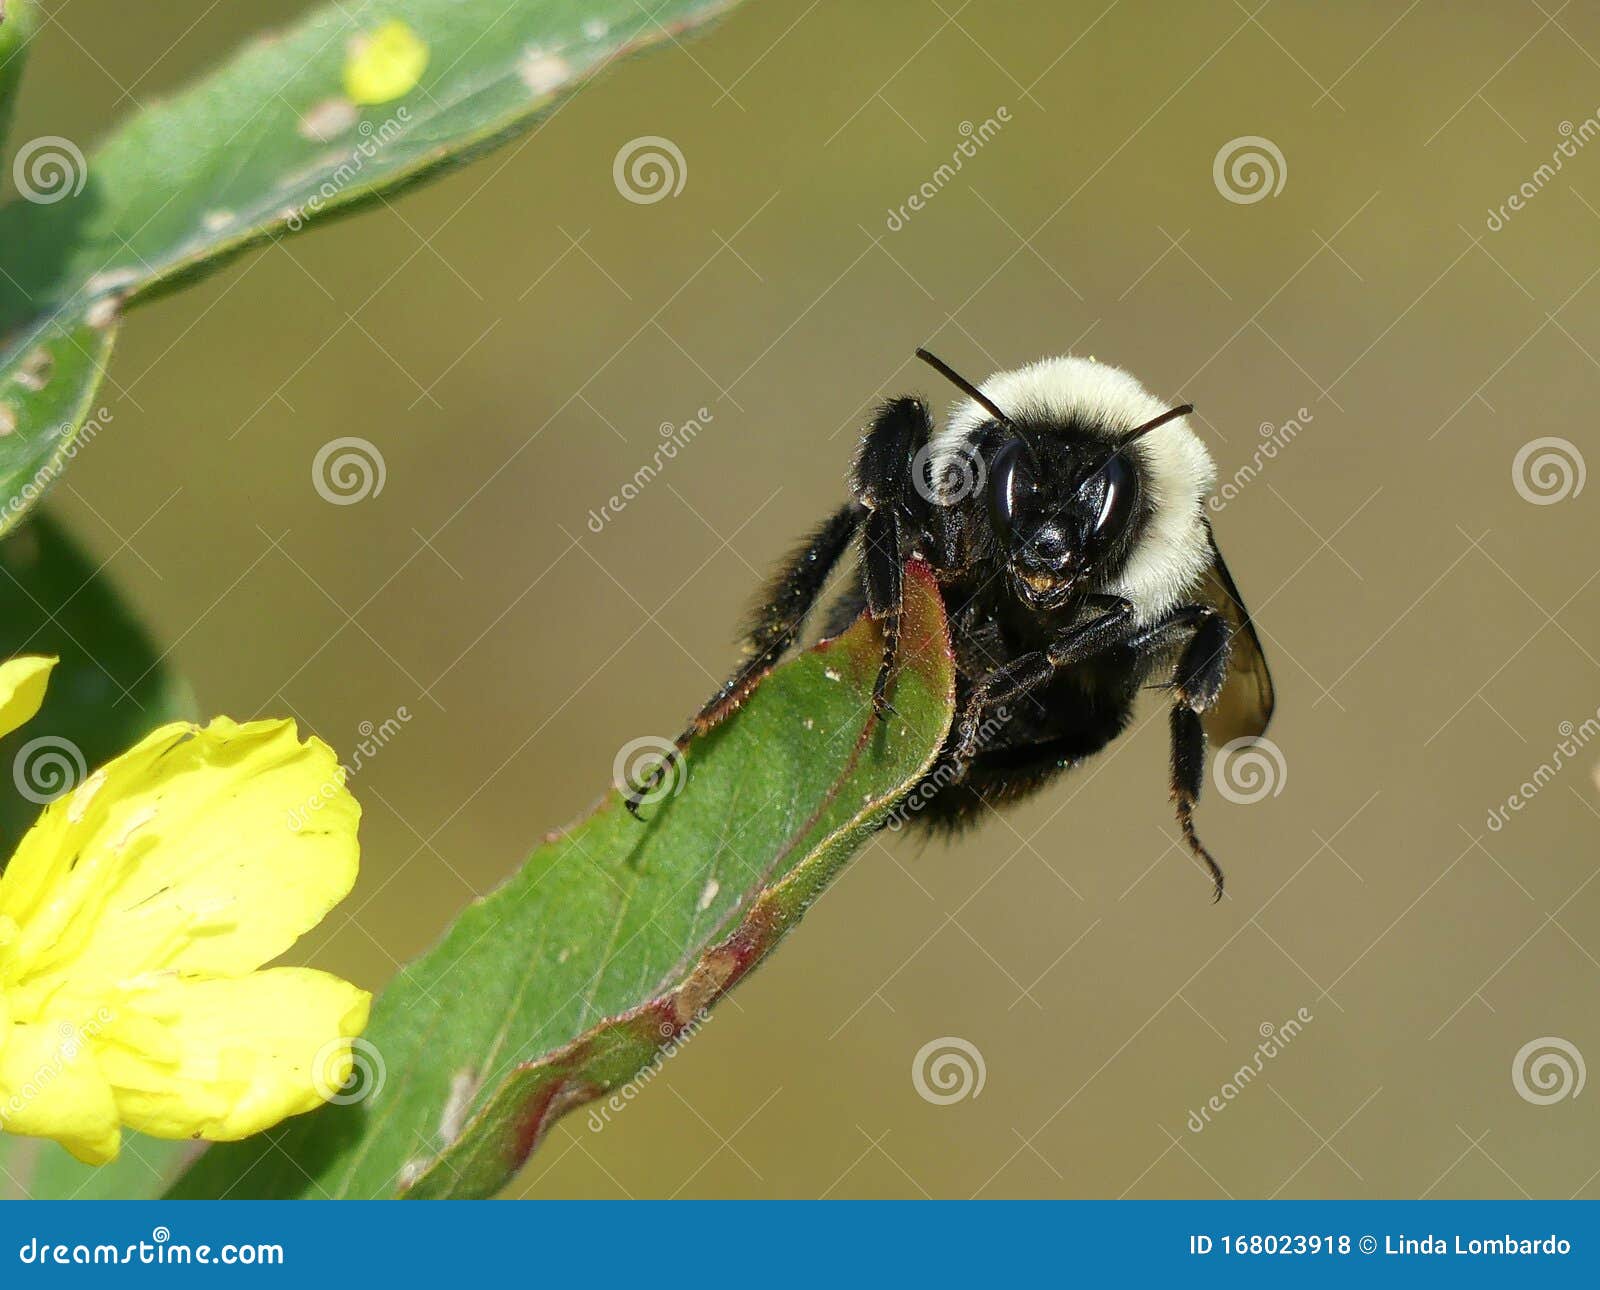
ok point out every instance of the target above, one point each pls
(513, 337)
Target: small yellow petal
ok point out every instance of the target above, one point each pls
(244, 1054)
(51, 1086)
(22, 685)
(199, 850)
(384, 64)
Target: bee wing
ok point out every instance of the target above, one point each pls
(1245, 704)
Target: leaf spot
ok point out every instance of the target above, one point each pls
(542, 72)
(328, 120)
(103, 312)
(111, 280)
(464, 1086)
(705, 983)
(34, 373)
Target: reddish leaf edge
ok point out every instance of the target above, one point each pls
(655, 1023)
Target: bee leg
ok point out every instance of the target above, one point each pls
(773, 627)
(1029, 672)
(883, 572)
(1198, 679)
(885, 482)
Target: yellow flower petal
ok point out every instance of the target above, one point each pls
(51, 1086)
(22, 684)
(199, 850)
(241, 1055)
(384, 64)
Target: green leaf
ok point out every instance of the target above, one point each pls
(18, 20)
(264, 146)
(616, 936)
(34, 1169)
(108, 691)
(47, 391)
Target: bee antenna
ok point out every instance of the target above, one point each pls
(965, 386)
(1154, 423)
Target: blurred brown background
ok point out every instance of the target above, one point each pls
(513, 337)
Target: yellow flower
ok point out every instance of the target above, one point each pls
(134, 920)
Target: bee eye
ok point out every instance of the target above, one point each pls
(1010, 480)
(1116, 505)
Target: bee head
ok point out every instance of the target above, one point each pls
(1063, 489)
(1058, 512)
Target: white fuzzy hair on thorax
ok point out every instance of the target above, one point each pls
(1174, 550)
